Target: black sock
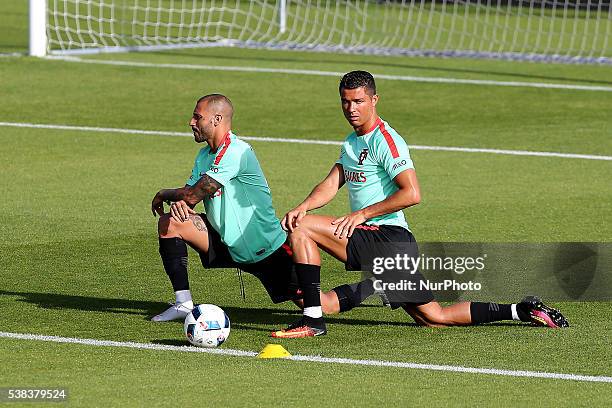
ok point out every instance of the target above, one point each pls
(309, 278)
(352, 295)
(489, 312)
(173, 253)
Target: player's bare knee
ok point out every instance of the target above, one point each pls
(307, 226)
(168, 226)
(329, 303)
(431, 324)
(299, 237)
(309, 221)
(429, 318)
(437, 319)
(422, 323)
(420, 319)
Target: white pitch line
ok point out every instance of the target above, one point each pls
(127, 344)
(93, 129)
(11, 54)
(312, 359)
(308, 141)
(456, 369)
(335, 74)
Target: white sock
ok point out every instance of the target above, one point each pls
(183, 296)
(314, 311)
(514, 313)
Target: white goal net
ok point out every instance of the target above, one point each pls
(564, 31)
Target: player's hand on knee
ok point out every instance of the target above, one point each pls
(180, 211)
(292, 219)
(347, 224)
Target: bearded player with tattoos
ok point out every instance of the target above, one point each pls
(239, 228)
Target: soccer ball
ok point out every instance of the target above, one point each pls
(207, 326)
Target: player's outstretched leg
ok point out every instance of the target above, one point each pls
(529, 310)
(173, 239)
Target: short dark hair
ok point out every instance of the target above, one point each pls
(357, 79)
(216, 98)
(220, 101)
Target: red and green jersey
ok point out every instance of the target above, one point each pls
(370, 163)
(241, 210)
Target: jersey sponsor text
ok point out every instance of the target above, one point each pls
(354, 176)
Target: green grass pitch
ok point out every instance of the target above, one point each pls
(79, 249)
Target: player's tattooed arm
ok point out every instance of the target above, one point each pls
(191, 195)
(206, 186)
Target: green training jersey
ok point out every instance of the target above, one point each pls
(370, 162)
(241, 210)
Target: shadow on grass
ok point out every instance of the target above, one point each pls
(242, 317)
(88, 303)
(171, 342)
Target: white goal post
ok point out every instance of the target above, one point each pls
(38, 27)
(572, 31)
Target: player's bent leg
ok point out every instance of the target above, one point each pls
(312, 322)
(312, 233)
(173, 239)
(193, 231)
(329, 303)
(432, 314)
(317, 230)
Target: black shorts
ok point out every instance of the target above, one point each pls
(276, 272)
(371, 241)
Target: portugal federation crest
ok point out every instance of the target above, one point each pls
(362, 156)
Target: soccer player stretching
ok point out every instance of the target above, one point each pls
(376, 167)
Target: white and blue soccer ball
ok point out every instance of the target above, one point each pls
(207, 326)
